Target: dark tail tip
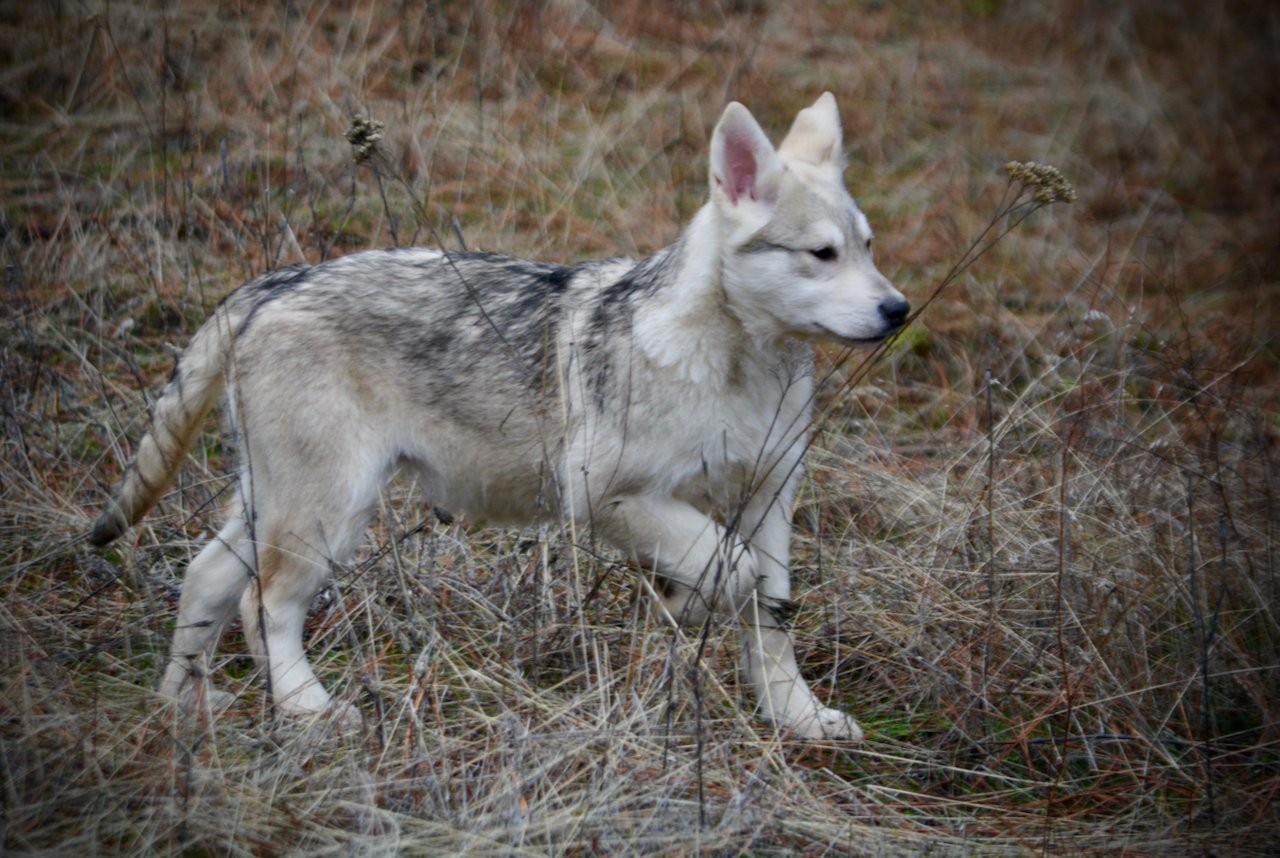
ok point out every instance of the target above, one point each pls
(109, 525)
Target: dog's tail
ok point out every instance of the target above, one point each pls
(197, 383)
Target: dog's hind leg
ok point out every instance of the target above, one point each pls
(273, 611)
(296, 550)
(212, 586)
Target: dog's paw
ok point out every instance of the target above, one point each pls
(331, 714)
(346, 718)
(312, 729)
(200, 700)
(825, 723)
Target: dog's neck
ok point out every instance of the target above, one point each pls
(688, 326)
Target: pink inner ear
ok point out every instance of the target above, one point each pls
(739, 166)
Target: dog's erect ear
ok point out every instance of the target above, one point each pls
(814, 137)
(743, 163)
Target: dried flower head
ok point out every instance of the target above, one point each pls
(363, 135)
(1047, 184)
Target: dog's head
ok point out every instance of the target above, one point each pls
(796, 248)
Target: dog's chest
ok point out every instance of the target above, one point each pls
(715, 444)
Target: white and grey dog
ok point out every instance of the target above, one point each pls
(665, 403)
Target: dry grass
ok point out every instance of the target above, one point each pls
(1036, 554)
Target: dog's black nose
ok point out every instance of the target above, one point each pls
(895, 312)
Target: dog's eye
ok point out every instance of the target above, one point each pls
(823, 254)
(868, 244)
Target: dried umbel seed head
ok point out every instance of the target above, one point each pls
(363, 135)
(1047, 184)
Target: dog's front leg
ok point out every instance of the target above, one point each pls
(702, 567)
(768, 653)
(707, 568)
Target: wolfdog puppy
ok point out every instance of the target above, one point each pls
(663, 403)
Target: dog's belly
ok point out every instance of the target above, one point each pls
(507, 484)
